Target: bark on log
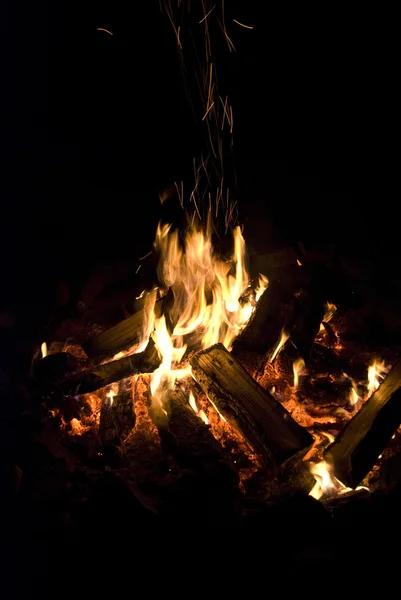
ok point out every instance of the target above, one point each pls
(358, 445)
(98, 377)
(267, 426)
(124, 335)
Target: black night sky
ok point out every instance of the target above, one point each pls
(96, 124)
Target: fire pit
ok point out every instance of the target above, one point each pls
(223, 376)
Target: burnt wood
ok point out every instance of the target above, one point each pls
(124, 335)
(263, 421)
(117, 419)
(102, 375)
(358, 445)
(273, 311)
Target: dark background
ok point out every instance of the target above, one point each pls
(95, 125)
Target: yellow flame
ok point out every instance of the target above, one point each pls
(207, 290)
(297, 367)
(112, 393)
(353, 397)
(326, 484)
(262, 285)
(376, 372)
(192, 403)
(283, 338)
(209, 300)
(200, 413)
(43, 349)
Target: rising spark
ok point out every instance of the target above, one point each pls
(206, 16)
(242, 24)
(103, 29)
(206, 113)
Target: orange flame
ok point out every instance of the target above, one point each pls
(376, 372)
(297, 366)
(112, 393)
(200, 413)
(326, 484)
(284, 337)
(43, 349)
(207, 290)
(208, 301)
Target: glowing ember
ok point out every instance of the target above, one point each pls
(297, 367)
(284, 337)
(43, 349)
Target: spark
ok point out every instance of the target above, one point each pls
(146, 255)
(242, 24)
(138, 269)
(103, 29)
(206, 16)
(206, 113)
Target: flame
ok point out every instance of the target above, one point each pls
(297, 367)
(353, 397)
(200, 413)
(284, 337)
(262, 285)
(112, 393)
(207, 290)
(326, 484)
(77, 428)
(209, 302)
(43, 349)
(376, 372)
(330, 311)
(329, 314)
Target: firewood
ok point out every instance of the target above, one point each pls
(307, 324)
(358, 445)
(124, 335)
(102, 375)
(117, 417)
(264, 423)
(272, 312)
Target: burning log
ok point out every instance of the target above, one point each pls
(253, 411)
(271, 313)
(126, 334)
(98, 377)
(117, 417)
(358, 445)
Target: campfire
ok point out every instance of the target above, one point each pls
(223, 377)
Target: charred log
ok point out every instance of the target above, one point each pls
(117, 417)
(126, 334)
(273, 311)
(307, 325)
(358, 445)
(267, 426)
(102, 375)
